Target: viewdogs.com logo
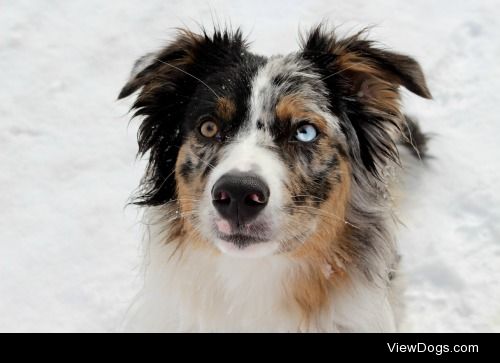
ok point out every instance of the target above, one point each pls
(437, 349)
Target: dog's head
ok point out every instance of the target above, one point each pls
(260, 154)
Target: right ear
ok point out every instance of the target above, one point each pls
(187, 56)
(141, 68)
(170, 62)
(166, 81)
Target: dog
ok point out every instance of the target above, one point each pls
(267, 193)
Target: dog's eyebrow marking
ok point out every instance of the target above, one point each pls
(294, 107)
(289, 107)
(225, 108)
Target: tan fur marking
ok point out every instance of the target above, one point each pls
(289, 106)
(225, 108)
(187, 194)
(356, 63)
(371, 84)
(323, 256)
(293, 107)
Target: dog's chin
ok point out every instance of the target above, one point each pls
(245, 247)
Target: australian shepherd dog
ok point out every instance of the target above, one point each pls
(267, 195)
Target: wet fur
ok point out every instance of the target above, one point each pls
(337, 273)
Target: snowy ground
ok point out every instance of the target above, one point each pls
(69, 252)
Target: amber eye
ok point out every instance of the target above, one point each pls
(209, 128)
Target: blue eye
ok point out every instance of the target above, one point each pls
(306, 133)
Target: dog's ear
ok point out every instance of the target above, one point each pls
(168, 64)
(370, 66)
(364, 82)
(189, 54)
(166, 81)
(143, 67)
(363, 64)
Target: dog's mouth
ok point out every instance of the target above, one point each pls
(250, 240)
(245, 245)
(257, 230)
(242, 235)
(242, 240)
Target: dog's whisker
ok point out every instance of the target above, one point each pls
(343, 70)
(156, 189)
(185, 200)
(320, 213)
(308, 196)
(179, 216)
(188, 74)
(203, 161)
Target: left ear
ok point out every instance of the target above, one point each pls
(364, 81)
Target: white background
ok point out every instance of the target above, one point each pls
(69, 249)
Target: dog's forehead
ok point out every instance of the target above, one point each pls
(283, 76)
(249, 94)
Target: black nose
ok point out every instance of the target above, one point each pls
(239, 197)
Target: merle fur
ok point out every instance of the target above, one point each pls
(368, 134)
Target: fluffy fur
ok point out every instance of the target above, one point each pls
(320, 256)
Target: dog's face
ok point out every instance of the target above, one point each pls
(258, 154)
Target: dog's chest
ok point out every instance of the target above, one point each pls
(198, 291)
(217, 293)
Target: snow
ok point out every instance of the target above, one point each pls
(69, 246)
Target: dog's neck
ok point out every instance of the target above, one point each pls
(193, 287)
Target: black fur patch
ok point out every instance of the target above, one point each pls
(177, 89)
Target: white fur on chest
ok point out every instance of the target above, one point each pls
(197, 290)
